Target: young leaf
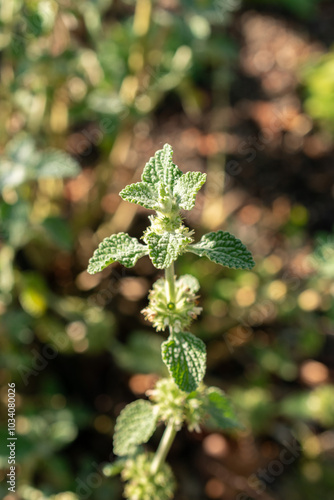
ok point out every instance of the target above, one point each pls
(220, 414)
(142, 194)
(134, 425)
(165, 248)
(163, 185)
(187, 187)
(117, 247)
(223, 248)
(161, 168)
(185, 357)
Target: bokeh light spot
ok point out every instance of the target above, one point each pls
(133, 289)
(245, 296)
(313, 372)
(312, 471)
(215, 445)
(277, 290)
(309, 300)
(214, 488)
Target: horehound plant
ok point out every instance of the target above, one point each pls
(181, 399)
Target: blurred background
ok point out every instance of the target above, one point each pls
(242, 90)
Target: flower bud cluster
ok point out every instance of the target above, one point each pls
(168, 223)
(142, 484)
(178, 314)
(181, 407)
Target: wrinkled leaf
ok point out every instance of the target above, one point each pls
(117, 247)
(164, 187)
(223, 248)
(142, 194)
(185, 357)
(135, 425)
(187, 187)
(165, 248)
(160, 168)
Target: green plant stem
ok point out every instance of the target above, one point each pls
(170, 283)
(170, 431)
(164, 447)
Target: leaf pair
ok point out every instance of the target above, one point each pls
(220, 247)
(137, 421)
(164, 188)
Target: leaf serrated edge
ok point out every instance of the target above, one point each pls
(202, 251)
(126, 195)
(176, 339)
(196, 187)
(94, 260)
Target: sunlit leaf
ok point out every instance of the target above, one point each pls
(185, 358)
(160, 168)
(223, 248)
(116, 248)
(187, 187)
(141, 193)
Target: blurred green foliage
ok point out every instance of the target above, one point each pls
(318, 81)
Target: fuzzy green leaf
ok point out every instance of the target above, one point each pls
(117, 247)
(187, 187)
(220, 413)
(163, 185)
(165, 248)
(134, 425)
(142, 194)
(160, 168)
(223, 248)
(185, 357)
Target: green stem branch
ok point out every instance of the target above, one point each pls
(164, 447)
(170, 283)
(170, 431)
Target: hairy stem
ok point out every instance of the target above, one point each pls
(164, 447)
(170, 283)
(170, 431)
